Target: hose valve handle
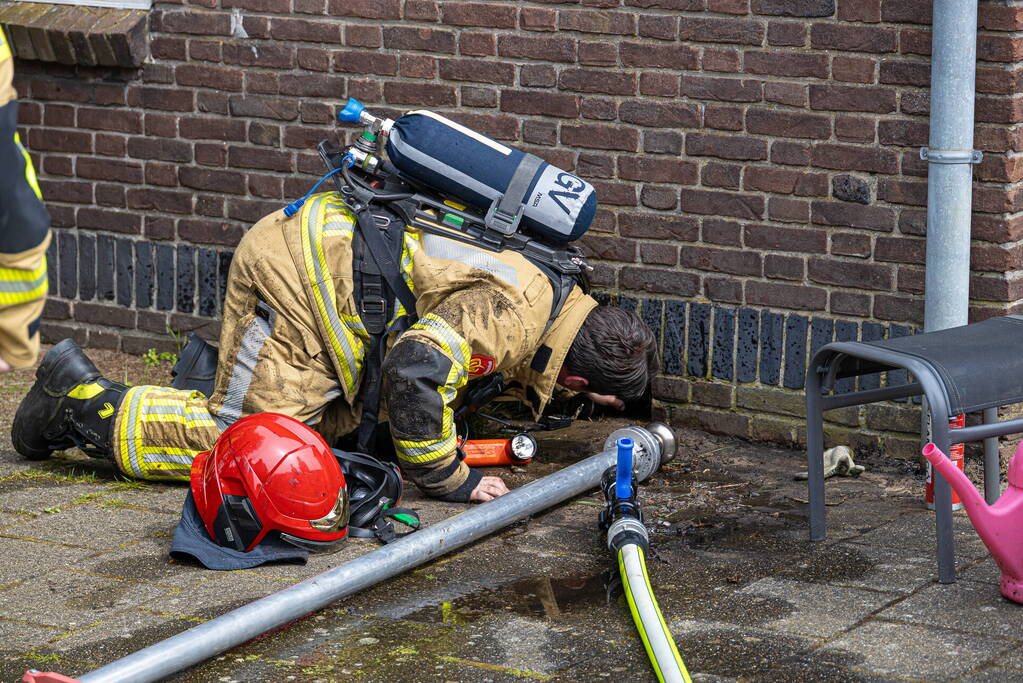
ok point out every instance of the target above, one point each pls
(623, 479)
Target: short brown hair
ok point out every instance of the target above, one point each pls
(616, 352)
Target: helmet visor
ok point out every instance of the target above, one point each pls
(315, 546)
(336, 518)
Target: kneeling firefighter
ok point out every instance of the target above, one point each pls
(381, 300)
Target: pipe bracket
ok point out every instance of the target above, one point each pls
(951, 156)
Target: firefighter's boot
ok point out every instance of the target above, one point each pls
(70, 404)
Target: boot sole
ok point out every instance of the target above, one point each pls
(51, 360)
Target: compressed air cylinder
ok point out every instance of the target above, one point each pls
(455, 160)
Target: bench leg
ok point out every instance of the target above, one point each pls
(943, 509)
(992, 461)
(815, 456)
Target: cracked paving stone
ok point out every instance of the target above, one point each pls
(71, 600)
(915, 652)
(21, 559)
(817, 610)
(78, 526)
(965, 606)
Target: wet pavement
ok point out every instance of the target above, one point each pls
(86, 579)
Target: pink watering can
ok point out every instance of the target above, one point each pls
(1000, 526)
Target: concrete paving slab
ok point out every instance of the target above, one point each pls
(71, 600)
(914, 530)
(964, 606)
(992, 676)
(1013, 659)
(915, 652)
(816, 610)
(727, 650)
(902, 571)
(984, 571)
(17, 637)
(24, 560)
(219, 593)
(91, 525)
(147, 560)
(46, 497)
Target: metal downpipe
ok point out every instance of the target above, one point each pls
(950, 157)
(655, 446)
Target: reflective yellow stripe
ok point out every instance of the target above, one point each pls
(30, 172)
(5, 49)
(452, 342)
(346, 347)
(86, 391)
(147, 404)
(18, 286)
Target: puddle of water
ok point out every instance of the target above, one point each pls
(540, 597)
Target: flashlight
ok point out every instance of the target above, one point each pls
(517, 450)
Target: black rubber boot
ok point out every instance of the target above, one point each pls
(71, 404)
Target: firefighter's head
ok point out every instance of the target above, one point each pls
(614, 352)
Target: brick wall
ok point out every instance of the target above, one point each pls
(756, 161)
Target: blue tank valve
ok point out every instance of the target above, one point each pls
(623, 478)
(352, 111)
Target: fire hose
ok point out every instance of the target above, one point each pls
(627, 540)
(654, 446)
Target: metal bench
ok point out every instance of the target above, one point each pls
(976, 367)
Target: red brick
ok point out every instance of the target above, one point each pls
(538, 19)
(609, 248)
(707, 202)
(160, 200)
(784, 267)
(906, 73)
(862, 275)
(722, 117)
(658, 84)
(906, 11)
(203, 76)
(548, 49)
(732, 261)
(900, 249)
(851, 98)
(486, 14)
(792, 94)
(798, 297)
(419, 94)
(658, 227)
(108, 169)
(902, 192)
(193, 22)
(594, 21)
(741, 31)
(165, 99)
(914, 42)
(656, 170)
(595, 81)
(899, 308)
(790, 153)
(853, 69)
(659, 26)
(473, 44)
(363, 36)
(363, 62)
(365, 9)
(725, 176)
(866, 11)
(658, 254)
(725, 146)
(782, 181)
(855, 158)
(249, 157)
(305, 30)
(659, 115)
(850, 244)
(756, 236)
(658, 197)
(598, 53)
(658, 56)
(478, 71)
(787, 124)
(787, 64)
(725, 60)
(849, 215)
(848, 303)
(786, 33)
(121, 121)
(852, 38)
(421, 66)
(658, 281)
(600, 137)
(854, 129)
(418, 39)
(539, 103)
(722, 89)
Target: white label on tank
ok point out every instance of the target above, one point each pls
(557, 199)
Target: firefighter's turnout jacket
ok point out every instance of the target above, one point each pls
(292, 342)
(24, 233)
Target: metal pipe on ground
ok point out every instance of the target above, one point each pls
(655, 445)
(949, 157)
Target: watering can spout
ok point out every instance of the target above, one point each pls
(1000, 525)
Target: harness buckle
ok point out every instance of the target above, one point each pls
(501, 221)
(373, 311)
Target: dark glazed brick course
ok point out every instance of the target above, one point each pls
(697, 343)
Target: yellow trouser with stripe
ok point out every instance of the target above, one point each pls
(270, 360)
(23, 287)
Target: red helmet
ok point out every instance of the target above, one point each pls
(266, 473)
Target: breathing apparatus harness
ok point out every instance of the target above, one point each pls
(386, 199)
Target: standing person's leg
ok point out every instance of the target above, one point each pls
(24, 237)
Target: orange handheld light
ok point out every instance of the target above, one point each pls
(517, 450)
